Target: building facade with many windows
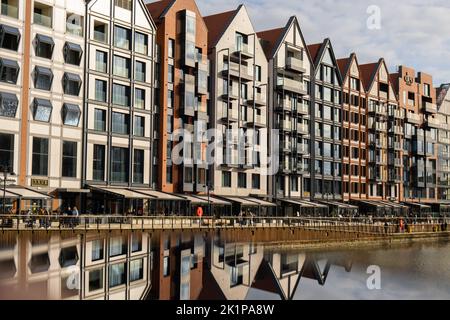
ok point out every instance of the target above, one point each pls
(443, 166)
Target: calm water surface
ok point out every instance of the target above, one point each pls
(177, 265)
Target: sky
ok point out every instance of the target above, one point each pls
(415, 33)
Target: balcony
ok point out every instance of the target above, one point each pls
(10, 9)
(295, 65)
(258, 121)
(286, 84)
(433, 123)
(398, 162)
(229, 114)
(243, 51)
(397, 114)
(230, 94)
(444, 140)
(396, 178)
(237, 71)
(396, 130)
(413, 118)
(303, 108)
(445, 169)
(284, 125)
(100, 36)
(429, 107)
(383, 94)
(258, 101)
(381, 110)
(302, 128)
(301, 148)
(42, 20)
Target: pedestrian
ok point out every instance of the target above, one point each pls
(76, 214)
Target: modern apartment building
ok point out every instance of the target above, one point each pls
(238, 104)
(118, 132)
(443, 166)
(416, 95)
(41, 58)
(289, 72)
(182, 73)
(354, 117)
(326, 124)
(384, 162)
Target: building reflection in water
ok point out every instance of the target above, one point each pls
(161, 265)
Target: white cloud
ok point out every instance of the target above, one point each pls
(415, 33)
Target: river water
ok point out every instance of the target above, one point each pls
(187, 265)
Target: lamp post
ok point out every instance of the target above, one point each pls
(6, 170)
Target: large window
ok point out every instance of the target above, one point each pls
(42, 110)
(69, 159)
(44, 46)
(95, 280)
(9, 37)
(71, 114)
(121, 95)
(124, 4)
(171, 48)
(119, 164)
(72, 53)
(40, 157)
(122, 66)
(138, 166)
(120, 123)
(140, 71)
(8, 104)
(117, 275)
(43, 78)
(99, 120)
(226, 179)
(98, 164)
(139, 98)
(72, 84)
(139, 126)
(9, 70)
(122, 38)
(256, 181)
(242, 180)
(6, 150)
(101, 61)
(140, 43)
(100, 90)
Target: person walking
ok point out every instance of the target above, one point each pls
(76, 215)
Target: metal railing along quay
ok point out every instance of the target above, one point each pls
(371, 226)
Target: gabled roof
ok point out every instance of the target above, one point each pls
(317, 52)
(158, 8)
(393, 78)
(271, 39)
(344, 65)
(368, 72)
(274, 38)
(217, 24)
(314, 50)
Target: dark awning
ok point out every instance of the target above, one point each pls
(9, 63)
(45, 39)
(73, 47)
(44, 71)
(8, 96)
(42, 102)
(68, 107)
(72, 77)
(10, 30)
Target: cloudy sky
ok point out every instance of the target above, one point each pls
(413, 32)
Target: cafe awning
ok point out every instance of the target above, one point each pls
(243, 201)
(418, 205)
(214, 201)
(9, 195)
(340, 205)
(158, 195)
(262, 203)
(195, 200)
(120, 192)
(27, 194)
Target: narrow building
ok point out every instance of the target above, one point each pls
(443, 166)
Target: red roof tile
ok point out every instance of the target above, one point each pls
(271, 38)
(343, 66)
(314, 50)
(393, 78)
(216, 25)
(367, 71)
(157, 8)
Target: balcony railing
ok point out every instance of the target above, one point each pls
(10, 11)
(295, 64)
(243, 50)
(303, 108)
(302, 128)
(429, 107)
(74, 29)
(42, 20)
(100, 36)
(291, 85)
(413, 118)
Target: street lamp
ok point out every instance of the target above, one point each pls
(6, 170)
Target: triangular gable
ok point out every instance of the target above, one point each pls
(326, 53)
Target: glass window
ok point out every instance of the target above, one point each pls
(100, 90)
(327, 168)
(171, 48)
(117, 246)
(9, 37)
(72, 84)
(71, 114)
(72, 53)
(166, 266)
(121, 95)
(122, 66)
(327, 94)
(8, 105)
(136, 270)
(169, 174)
(42, 110)
(139, 126)
(170, 73)
(69, 159)
(101, 61)
(99, 120)
(98, 164)
(139, 98)
(138, 166)
(120, 123)
(122, 38)
(258, 73)
(242, 180)
(7, 150)
(40, 156)
(119, 164)
(124, 4)
(44, 46)
(226, 179)
(140, 43)
(43, 78)
(95, 280)
(117, 275)
(9, 70)
(136, 242)
(140, 71)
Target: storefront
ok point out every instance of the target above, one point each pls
(26, 199)
(217, 206)
(248, 206)
(340, 209)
